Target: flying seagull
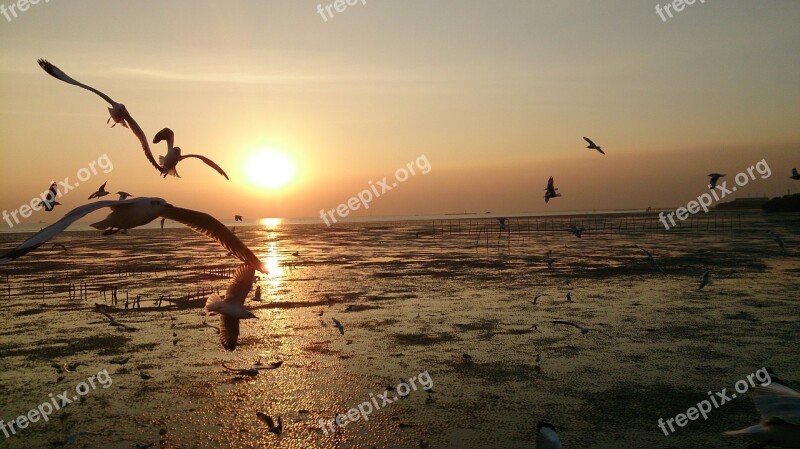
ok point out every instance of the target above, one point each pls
(713, 178)
(575, 230)
(777, 238)
(779, 407)
(117, 111)
(795, 175)
(137, 212)
(593, 146)
(550, 191)
(170, 161)
(101, 192)
(338, 325)
(706, 280)
(584, 330)
(123, 195)
(49, 203)
(238, 218)
(535, 299)
(231, 308)
(111, 321)
(546, 436)
(58, 245)
(651, 259)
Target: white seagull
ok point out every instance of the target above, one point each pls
(584, 330)
(550, 191)
(779, 407)
(714, 177)
(651, 259)
(593, 146)
(137, 212)
(231, 308)
(117, 111)
(49, 203)
(101, 192)
(170, 161)
(123, 195)
(546, 436)
(706, 280)
(795, 175)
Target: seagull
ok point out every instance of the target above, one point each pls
(706, 280)
(117, 111)
(338, 325)
(252, 372)
(779, 407)
(502, 221)
(550, 191)
(795, 175)
(535, 299)
(50, 202)
(170, 161)
(123, 195)
(651, 259)
(713, 181)
(257, 294)
(231, 308)
(58, 245)
(575, 230)
(238, 218)
(546, 436)
(144, 375)
(777, 238)
(138, 212)
(550, 263)
(111, 321)
(162, 222)
(101, 192)
(569, 297)
(584, 330)
(120, 360)
(276, 429)
(593, 146)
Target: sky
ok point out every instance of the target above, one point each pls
(495, 95)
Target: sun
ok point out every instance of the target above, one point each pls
(270, 169)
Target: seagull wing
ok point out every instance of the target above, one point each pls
(210, 227)
(228, 331)
(56, 228)
(137, 130)
(568, 323)
(266, 419)
(165, 134)
(242, 282)
(53, 192)
(58, 73)
(208, 162)
(589, 141)
(777, 401)
(546, 436)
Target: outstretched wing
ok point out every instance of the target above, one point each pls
(211, 227)
(56, 228)
(137, 130)
(228, 331)
(568, 323)
(165, 134)
(241, 284)
(208, 162)
(59, 74)
(589, 141)
(550, 184)
(777, 401)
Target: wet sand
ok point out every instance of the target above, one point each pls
(411, 301)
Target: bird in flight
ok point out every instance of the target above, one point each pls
(593, 146)
(713, 178)
(338, 325)
(584, 330)
(795, 175)
(706, 280)
(137, 212)
(546, 436)
(550, 191)
(231, 308)
(101, 192)
(575, 230)
(119, 114)
(170, 161)
(651, 259)
(123, 195)
(779, 407)
(277, 429)
(50, 202)
(238, 218)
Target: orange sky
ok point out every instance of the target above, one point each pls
(496, 95)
